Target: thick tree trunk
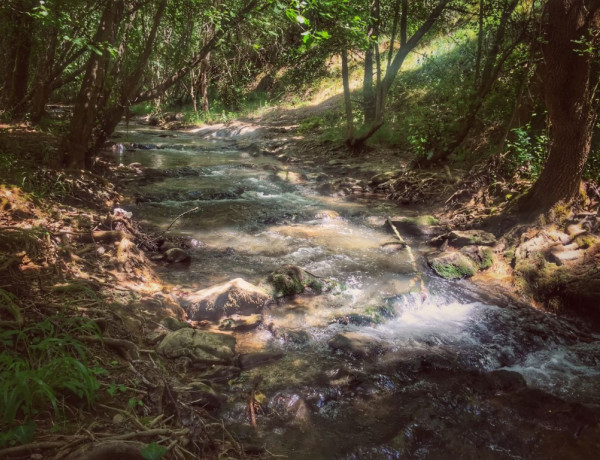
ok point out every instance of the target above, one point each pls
(19, 75)
(569, 86)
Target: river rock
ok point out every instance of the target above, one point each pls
(452, 264)
(259, 358)
(177, 256)
(297, 336)
(201, 347)
(291, 280)
(461, 238)
(415, 226)
(240, 322)
(356, 344)
(234, 297)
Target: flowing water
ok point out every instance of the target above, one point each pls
(460, 374)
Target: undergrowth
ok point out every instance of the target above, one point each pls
(43, 366)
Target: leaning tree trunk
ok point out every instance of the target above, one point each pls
(569, 85)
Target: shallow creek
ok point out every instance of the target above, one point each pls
(462, 373)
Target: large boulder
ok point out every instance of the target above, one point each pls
(452, 264)
(201, 347)
(234, 297)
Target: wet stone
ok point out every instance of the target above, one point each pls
(251, 360)
(177, 256)
(356, 344)
(240, 322)
(291, 280)
(298, 336)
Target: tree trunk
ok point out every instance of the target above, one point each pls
(204, 67)
(494, 61)
(19, 74)
(41, 90)
(78, 139)
(347, 100)
(384, 86)
(569, 86)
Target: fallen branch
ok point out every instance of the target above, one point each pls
(177, 218)
(30, 447)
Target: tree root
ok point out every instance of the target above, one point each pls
(127, 349)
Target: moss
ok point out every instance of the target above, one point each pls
(461, 269)
(586, 241)
(487, 258)
(285, 285)
(509, 255)
(381, 313)
(423, 220)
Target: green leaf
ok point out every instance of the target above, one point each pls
(153, 451)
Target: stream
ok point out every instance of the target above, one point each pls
(462, 373)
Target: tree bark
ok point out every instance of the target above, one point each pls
(569, 86)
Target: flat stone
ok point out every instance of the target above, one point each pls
(560, 257)
(201, 347)
(460, 238)
(234, 297)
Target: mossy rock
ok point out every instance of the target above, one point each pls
(290, 280)
(483, 256)
(452, 265)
